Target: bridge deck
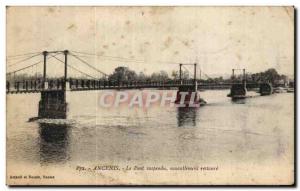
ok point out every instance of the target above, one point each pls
(35, 86)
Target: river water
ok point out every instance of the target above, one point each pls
(256, 131)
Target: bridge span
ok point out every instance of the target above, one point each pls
(35, 86)
(54, 103)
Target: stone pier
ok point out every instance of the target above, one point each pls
(53, 104)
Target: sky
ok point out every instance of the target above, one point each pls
(150, 39)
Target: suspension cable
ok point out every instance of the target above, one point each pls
(30, 65)
(83, 61)
(24, 60)
(114, 57)
(26, 54)
(75, 68)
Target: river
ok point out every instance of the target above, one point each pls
(256, 131)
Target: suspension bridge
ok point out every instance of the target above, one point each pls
(36, 83)
(53, 103)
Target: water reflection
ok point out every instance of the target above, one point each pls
(53, 143)
(186, 116)
(238, 101)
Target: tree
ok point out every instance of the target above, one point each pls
(123, 74)
(175, 75)
(142, 77)
(185, 75)
(160, 76)
(271, 75)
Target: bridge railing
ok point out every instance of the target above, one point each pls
(25, 86)
(36, 85)
(85, 84)
(57, 84)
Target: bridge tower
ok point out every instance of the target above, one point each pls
(238, 90)
(190, 89)
(195, 75)
(53, 103)
(180, 73)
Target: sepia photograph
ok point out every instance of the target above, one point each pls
(150, 95)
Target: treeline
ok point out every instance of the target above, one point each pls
(126, 74)
(270, 75)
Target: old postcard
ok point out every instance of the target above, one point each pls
(150, 95)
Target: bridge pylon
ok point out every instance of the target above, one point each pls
(53, 103)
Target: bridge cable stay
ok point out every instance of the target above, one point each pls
(24, 68)
(187, 70)
(23, 60)
(112, 57)
(83, 61)
(22, 55)
(36, 72)
(76, 69)
(109, 58)
(9, 60)
(207, 76)
(13, 78)
(200, 71)
(122, 59)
